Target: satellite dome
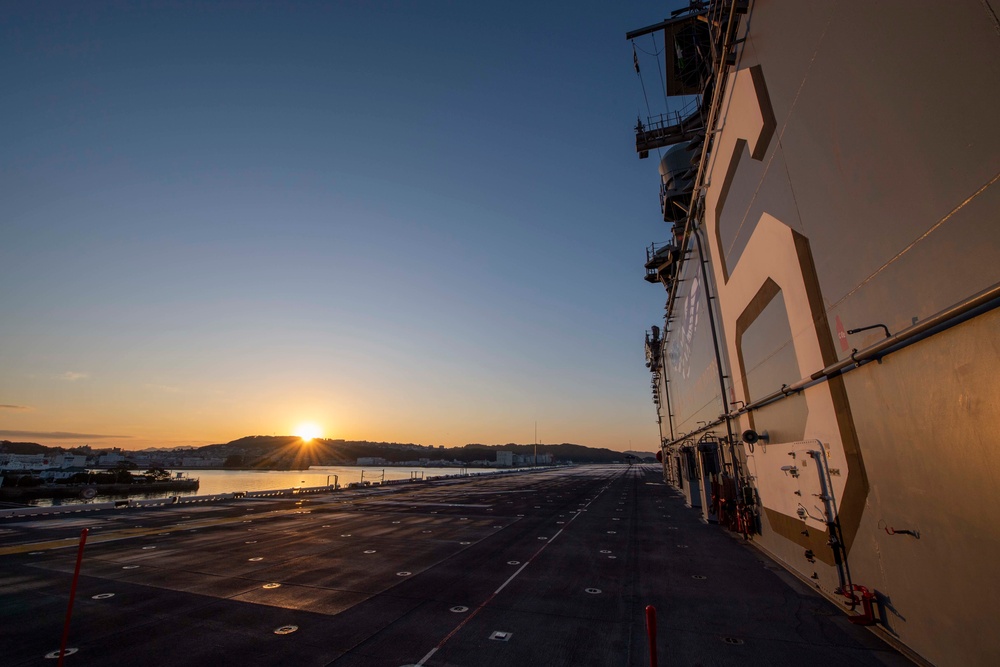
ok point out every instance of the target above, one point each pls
(676, 182)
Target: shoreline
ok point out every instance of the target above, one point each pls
(88, 491)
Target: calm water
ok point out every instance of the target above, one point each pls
(228, 481)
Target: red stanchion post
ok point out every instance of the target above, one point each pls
(72, 594)
(651, 632)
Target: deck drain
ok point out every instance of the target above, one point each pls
(498, 526)
(605, 551)
(248, 521)
(615, 519)
(592, 591)
(732, 640)
(403, 574)
(671, 527)
(55, 654)
(286, 629)
(612, 557)
(682, 546)
(270, 586)
(699, 577)
(395, 521)
(425, 531)
(611, 532)
(102, 596)
(560, 522)
(250, 542)
(369, 551)
(465, 543)
(325, 525)
(130, 567)
(543, 538)
(459, 609)
(35, 553)
(513, 562)
(159, 534)
(147, 548)
(255, 559)
(500, 636)
(346, 535)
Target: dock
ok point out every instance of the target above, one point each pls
(546, 568)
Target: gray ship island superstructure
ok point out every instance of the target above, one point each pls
(826, 374)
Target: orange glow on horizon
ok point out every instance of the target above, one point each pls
(308, 431)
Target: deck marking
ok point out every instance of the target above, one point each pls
(427, 657)
(412, 506)
(55, 654)
(502, 586)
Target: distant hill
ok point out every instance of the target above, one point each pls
(643, 456)
(8, 447)
(288, 452)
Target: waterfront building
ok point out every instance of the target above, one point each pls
(24, 461)
(371, 461)
(111, 458)
(69, 461)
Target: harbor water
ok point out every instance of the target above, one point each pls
(229, 481)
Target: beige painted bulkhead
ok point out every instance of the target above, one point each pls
(854, 182)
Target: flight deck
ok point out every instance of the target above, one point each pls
(554, 567)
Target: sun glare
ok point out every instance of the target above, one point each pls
(308, 431)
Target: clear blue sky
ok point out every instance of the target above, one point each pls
(420, 222)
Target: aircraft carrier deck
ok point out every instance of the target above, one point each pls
(560, 563)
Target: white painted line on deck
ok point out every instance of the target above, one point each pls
(502, 586)
(413, 504)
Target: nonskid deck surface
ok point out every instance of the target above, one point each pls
(563, 562)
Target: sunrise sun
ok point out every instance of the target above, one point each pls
(308, 431)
